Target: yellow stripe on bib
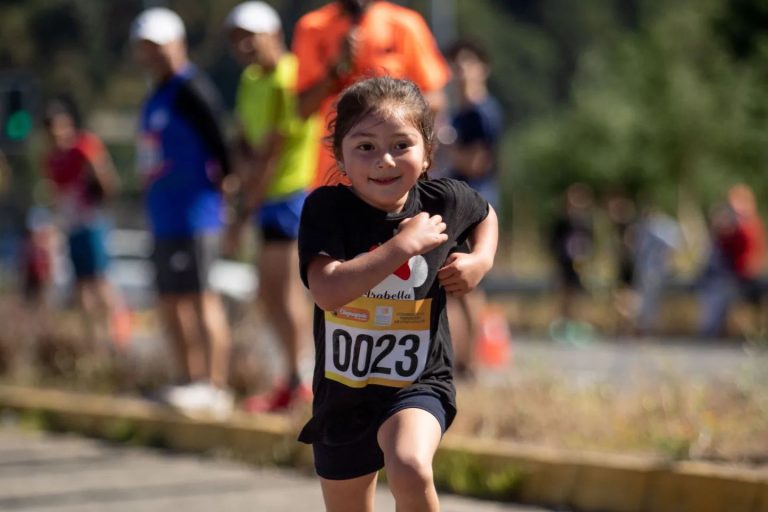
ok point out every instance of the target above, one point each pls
(374, 314)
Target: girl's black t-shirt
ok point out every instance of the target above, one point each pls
(393, 341)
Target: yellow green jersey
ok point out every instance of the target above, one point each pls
(267, 102)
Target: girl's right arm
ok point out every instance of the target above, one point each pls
(334, 283)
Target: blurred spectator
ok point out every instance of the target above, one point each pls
(349, 39)
(656, 237)
(736, 262)
(276, 157)
(182, 158)
(622, 217)
(471, 140)
(476, 124)
(571, 242)
(37, 254)
(716, 283)
(5, 174)
(749, 263)
(622, 214)
(83, 177)
(9, 226)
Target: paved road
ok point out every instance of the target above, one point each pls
(44, 473)
(626, 365)
(632, 363)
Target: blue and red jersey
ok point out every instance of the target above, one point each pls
(182, 156)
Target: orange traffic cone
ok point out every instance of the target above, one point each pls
(493, 344)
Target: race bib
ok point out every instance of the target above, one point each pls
(377, 341)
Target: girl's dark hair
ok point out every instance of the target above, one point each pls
(62, 104)
(385, 96)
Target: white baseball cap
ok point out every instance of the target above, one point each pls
(256, 17)
(158, 25)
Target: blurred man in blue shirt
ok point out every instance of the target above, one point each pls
(182, 159)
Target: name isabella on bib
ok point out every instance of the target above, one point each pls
(382, 337)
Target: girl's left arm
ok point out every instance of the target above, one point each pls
(462, 272)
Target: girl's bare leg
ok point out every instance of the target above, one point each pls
(353, 495)
(409, 440)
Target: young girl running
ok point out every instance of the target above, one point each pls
(377, 258)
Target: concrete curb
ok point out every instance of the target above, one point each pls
(584, 481)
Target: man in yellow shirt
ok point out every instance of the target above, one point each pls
(276, 155)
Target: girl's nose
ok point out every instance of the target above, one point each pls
(385, 161)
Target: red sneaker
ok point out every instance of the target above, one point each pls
(279, 399)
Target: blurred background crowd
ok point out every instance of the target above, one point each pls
(622, 141)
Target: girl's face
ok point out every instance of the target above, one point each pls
(383, 157)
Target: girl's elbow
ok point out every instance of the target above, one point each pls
(326, 305)
(330, 306)
(327, 291)
(325, 301)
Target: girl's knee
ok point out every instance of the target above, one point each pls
(408, 473)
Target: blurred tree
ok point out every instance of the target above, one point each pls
(742, 25)
(662, 110)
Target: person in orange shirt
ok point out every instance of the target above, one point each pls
(750, 264)
(346, 40)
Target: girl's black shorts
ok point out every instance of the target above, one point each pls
(363, 455)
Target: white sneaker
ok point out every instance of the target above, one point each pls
(222, 403)
(200, 398)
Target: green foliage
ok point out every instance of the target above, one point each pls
(36, 420)
(467, 474)
(677, 448)
(663, 108)
(120, 431)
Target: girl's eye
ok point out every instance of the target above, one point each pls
(365, 146)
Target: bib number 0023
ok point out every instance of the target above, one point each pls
(357, 358)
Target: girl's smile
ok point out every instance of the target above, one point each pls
(384, 181)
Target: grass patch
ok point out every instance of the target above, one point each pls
(673, 418)
(469, 475)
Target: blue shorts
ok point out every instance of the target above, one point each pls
(363, 455)
(279, 219)
(88, 250)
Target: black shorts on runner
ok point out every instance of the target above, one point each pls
(363, 456)
(183, 265)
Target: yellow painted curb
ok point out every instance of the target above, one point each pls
(258, 438)
(557, 478)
